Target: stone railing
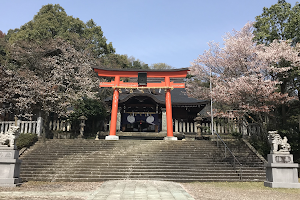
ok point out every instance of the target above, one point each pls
(24, 126)
(35, 126)
(191, 127)
(184, 127)
(60, 125)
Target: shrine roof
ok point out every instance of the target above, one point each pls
(178, 97)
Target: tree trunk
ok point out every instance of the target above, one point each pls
(283, 108)
(45, 126)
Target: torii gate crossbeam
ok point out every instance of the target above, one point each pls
(117, 84)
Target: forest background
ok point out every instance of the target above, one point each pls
(46, 66)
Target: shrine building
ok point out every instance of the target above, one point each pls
(143, 98)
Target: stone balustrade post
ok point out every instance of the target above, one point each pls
(176, 126)
(119, 120)
(163, 120)
(180, 127)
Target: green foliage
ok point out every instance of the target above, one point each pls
(52, 21)
(261, 145)
(2, 48)
(89, 108)
(280, 22)
(94, 110)
(118, 61)
(95, 39)
(293, 139)
(26, 140)
(160, 66)
(137, 64)
(237, 135)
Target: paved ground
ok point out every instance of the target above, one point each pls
(112, 190)
(36, 190)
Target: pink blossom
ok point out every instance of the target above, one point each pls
(244, 74)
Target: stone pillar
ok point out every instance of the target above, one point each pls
(163, 120)
(187, 127)
(215, 127)
(105, 125)
(183, 127)
(176, 125)
(39, 126)
(119, 120)
(180, 126)
(244, 128)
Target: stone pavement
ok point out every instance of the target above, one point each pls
(118, 190)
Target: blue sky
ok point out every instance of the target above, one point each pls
(174, 32)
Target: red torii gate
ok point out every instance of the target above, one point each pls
(117, 84)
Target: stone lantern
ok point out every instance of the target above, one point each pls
(198, 120)
(82, 125)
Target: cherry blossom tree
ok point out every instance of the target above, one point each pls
(49, 77)
(244, 74)
(5, 79)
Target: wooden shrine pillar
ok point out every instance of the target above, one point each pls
(169, 111)
(114, 113)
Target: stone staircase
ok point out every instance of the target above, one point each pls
(100, 160)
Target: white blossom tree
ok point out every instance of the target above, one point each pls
(49, 77)
(244, 74)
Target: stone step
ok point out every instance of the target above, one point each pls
(98, 154)
(138, 173)
(197, 179)
(189, 179)
(141, 168)
(115, 165)
(82, 160)
(148, 170)
(136, 176)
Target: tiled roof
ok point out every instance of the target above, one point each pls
(178, 97)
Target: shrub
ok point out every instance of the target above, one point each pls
(237, 135)
(261, 144)
(26, 140)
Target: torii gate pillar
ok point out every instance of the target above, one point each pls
(170, 135)
(117, 84)
(114, 113)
